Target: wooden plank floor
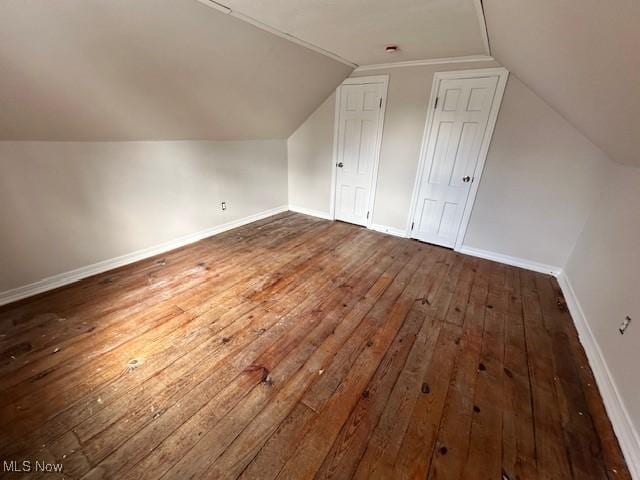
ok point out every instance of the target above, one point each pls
(298, 348)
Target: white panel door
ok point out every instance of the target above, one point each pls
(360, 110)
(452, 150)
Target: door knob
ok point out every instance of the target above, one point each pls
(466, 179)
(340, 165)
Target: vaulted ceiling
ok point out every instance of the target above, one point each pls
(178, 69)
(149, 70)
(359, 30)
(113, 70)
(582, 57)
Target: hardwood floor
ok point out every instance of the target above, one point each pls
(298, 348)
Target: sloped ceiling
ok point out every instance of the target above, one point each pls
(94, 70)
(359, 30)
(582, 57)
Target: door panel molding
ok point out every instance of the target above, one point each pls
(383, 80)
(502, 75)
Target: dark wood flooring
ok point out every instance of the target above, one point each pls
(298, 348)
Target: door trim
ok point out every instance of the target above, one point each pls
(502, 74)
(384, 80)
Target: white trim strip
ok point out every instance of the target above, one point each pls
(310, 212)
(513, 261)
(397, 232)
(66, 278)
(483, 25)
(411, 63)
(334, 154)
(268, 28)
(618, 414)
(431, 61)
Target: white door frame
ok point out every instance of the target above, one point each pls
(384, 80)
(502, 73)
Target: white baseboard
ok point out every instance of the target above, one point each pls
(66, 278)
(618, 414)
(513, 261)
(390, 230)
(378, 228)
(310, 212)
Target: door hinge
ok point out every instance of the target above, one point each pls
(435, 105)
(367, 215)
(412, 225)
(380, 102)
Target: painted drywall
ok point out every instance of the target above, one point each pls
(582, 57)
(112, 70)
(603, 271)
(540, 181)
(310, 150)
(310, 154)
(359, 30)
(65, 205)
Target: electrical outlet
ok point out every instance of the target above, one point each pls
(624, 325)
(224, 206)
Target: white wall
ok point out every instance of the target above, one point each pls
(309, 152)
(149, 70)
(67, 205)
(310, 148)
(582, 57)
(604, 273)
(541, 176)
(547, 196)
(540, 181)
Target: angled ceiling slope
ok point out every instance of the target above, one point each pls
(95, 70)
(583, 58)
(359, 30)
